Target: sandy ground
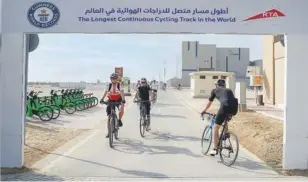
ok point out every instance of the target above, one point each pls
(41, 140)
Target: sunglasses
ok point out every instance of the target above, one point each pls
(143, 82)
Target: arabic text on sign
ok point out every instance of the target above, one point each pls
(174, 11)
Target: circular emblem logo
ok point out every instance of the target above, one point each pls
(43, 15)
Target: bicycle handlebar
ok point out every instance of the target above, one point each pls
(210, 114)
(111, 102)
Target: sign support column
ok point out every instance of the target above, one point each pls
(12, 99)
(295, 139)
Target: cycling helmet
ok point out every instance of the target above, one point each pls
(220, 82)
(114, 76)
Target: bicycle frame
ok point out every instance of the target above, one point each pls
(224, 125)
(144, 121)
(112, 121)
(142, 109)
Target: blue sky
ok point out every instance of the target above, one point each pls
(76, 57)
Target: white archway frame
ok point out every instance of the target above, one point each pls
(273, 17)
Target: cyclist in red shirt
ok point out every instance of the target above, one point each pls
(115, 92)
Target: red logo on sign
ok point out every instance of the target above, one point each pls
(273, 13)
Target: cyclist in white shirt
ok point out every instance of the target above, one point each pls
(154, 87)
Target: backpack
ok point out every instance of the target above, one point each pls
(118, 86)
(235, 106)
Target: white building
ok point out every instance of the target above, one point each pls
(203, 82)
(207, 57)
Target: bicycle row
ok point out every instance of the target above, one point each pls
(50, 107)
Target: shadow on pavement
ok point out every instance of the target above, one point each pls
(130, 146)
(125, 171)
(138, 147)
(248, 165)
(169, 136)
(167, 116)
(30, 176)
(159, 104)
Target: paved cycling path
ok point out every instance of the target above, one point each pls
(171, 150)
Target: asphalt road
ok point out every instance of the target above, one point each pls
(171, 150)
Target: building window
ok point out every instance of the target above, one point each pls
(202, 77)
(223, 77)
(215, 77)
(188, 48)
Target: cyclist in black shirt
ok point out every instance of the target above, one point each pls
(144, 94)
(228, 106)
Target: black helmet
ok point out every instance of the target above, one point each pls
(114, 76)
(143, 80)
(220, 82)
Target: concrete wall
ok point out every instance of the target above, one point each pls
(279, 63)
(295, 143)
(0, 20)
(202, 83)
(227, 61)
(189, 55)
(268, 69)
(274, 71)
(206, 56)
(190, 52)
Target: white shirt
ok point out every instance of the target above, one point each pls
(154, 85)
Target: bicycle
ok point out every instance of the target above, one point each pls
(113, 128)
(45, 113)
(224, 136)
(154, 94)
(144, 120)
(59, 101)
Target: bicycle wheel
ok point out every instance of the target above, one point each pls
(45, 113)
(227, 146)
(80, 106)
(116, 130)
(56, 111)
(110, 131)
(142, 124)
(95, 100)
(206, 140)
(70, 108)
